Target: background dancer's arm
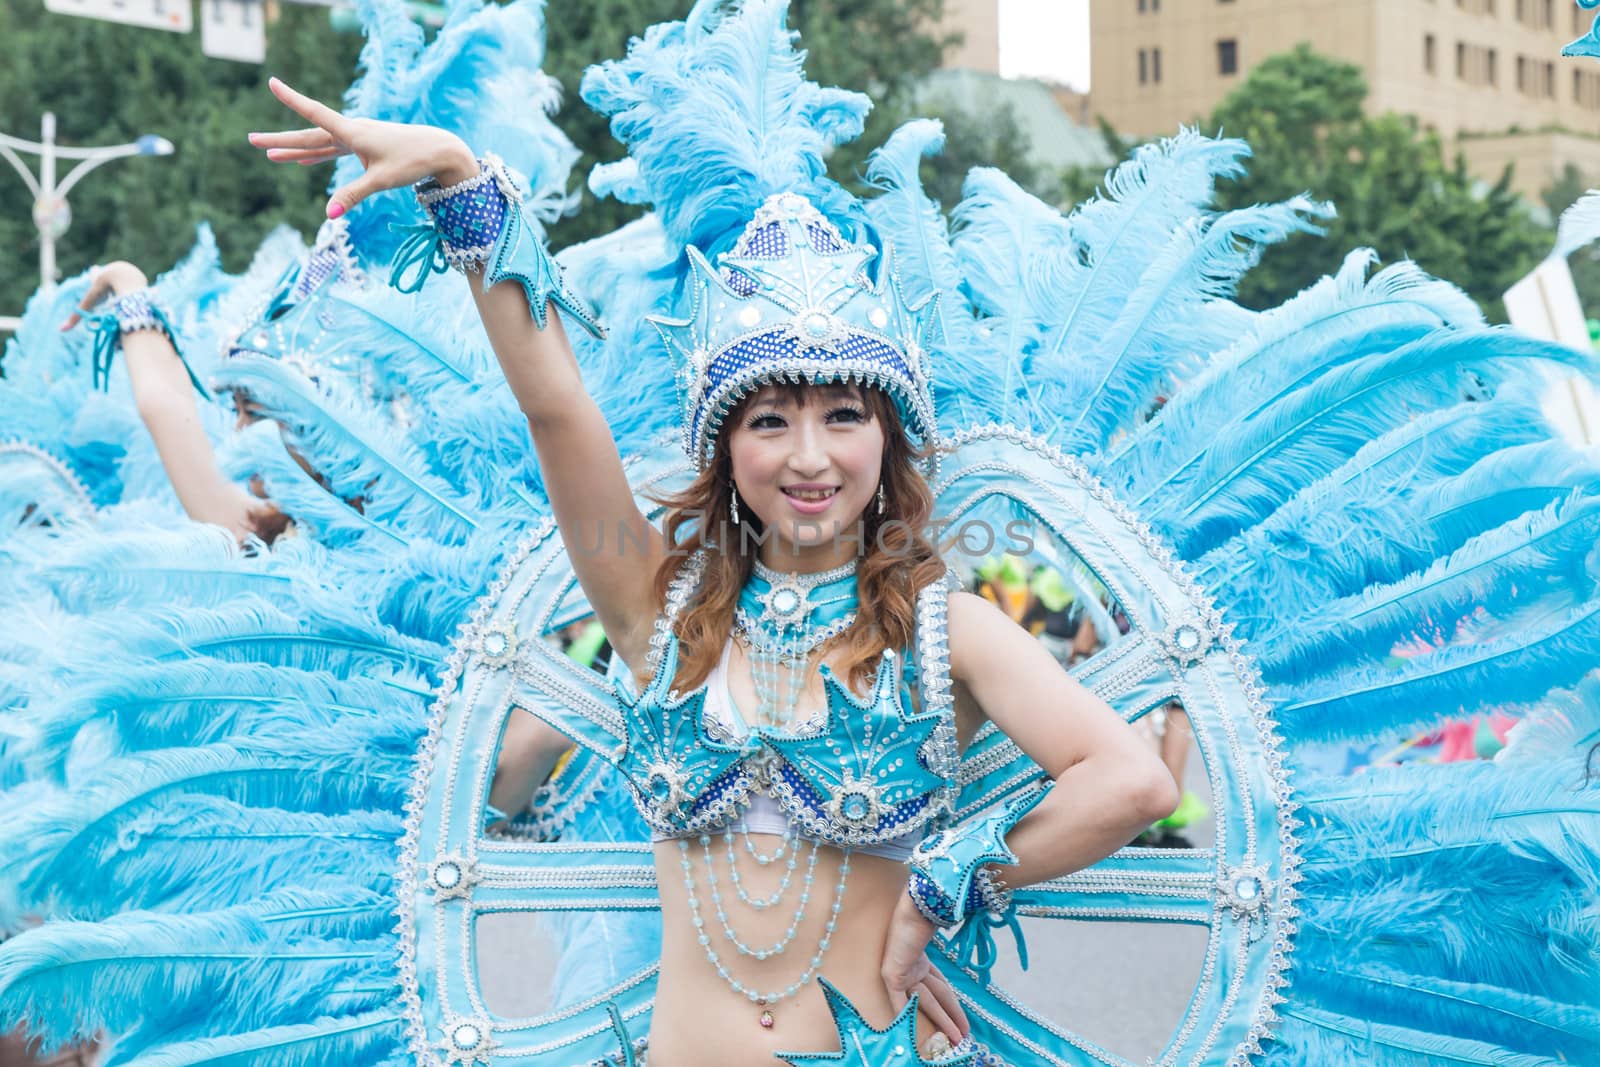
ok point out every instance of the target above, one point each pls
(165, 399)
(578, 458)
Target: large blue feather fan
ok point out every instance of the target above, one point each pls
(210, 747)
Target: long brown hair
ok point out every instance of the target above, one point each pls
(897, 558)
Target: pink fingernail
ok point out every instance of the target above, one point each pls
(335, 209)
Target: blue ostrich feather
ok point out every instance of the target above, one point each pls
(1546, 553)
(142, 974)
(375, 1038)
(1340, 319)
(349, 446)
(1259, 461)
(717, 116)
(924, 255)
(1351, 522)
(1544, 647)
(479, 78)
(1475, 917)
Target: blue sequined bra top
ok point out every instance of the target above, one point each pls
(867, 773)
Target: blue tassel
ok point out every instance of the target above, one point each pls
(974, 947)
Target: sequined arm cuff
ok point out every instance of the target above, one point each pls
(477, 226)
(953, 872)
(937, 905)
(137, 311)
(130, 313)
(468, 217)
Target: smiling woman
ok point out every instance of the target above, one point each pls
(818, 785)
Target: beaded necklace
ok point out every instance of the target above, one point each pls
(782, 620)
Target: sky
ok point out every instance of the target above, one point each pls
(1045, 39)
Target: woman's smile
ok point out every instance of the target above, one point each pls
(810, 498)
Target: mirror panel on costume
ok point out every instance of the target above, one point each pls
(1169, 669)
(534, 963)
(1122, 984)
(1000, 551)
(519, 940)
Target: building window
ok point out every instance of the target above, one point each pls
(1537, 14)
(1477, 65)
(1149, 6)
(1144, 67)
(1430, 54)
(1536, 78)
(1586, 89)
(1227, 57)
(1155, 65)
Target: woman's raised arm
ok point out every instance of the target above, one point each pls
(578, 456)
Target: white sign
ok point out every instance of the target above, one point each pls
(1572, 404)
(1545, 305)
(233, 29)
(174, 15)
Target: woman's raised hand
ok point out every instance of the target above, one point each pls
(395, 154)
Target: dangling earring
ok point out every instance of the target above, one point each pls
(733, 503)
(880, 498)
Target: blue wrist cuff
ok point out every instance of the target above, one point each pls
(129, 313)
(478, 226)
(947, 869)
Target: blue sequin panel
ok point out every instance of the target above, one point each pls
(856, 355)
(823, 239)
(769, 242)
(471, 219)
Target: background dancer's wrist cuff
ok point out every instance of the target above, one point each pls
(137, 311)
(130, 313)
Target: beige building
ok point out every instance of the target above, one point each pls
(1488, 75)
(978, 22)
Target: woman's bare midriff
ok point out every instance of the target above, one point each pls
(700, 1022)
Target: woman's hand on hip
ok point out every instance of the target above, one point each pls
(907, 971)
(395, 154)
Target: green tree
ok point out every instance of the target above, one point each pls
(995, 139)
(109, 83)
(1303, 115)
(883, 48)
